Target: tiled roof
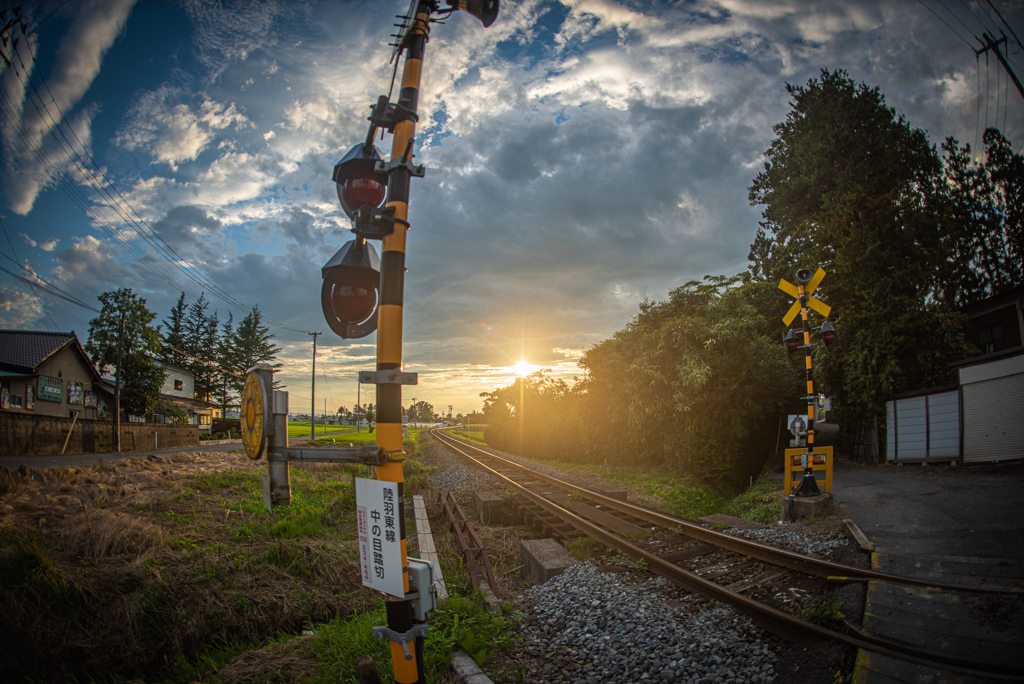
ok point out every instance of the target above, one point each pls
(23, 350)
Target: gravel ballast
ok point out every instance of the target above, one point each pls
(589, 626)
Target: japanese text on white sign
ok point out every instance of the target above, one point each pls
(380, 550)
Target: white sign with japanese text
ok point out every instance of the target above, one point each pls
(380, 541)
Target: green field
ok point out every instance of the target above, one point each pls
(301, 429)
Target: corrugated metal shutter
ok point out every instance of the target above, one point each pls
(994, 419)
(944, 425)
(890, 430)
(912, 418)
(924, 427)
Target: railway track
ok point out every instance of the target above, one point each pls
(736, 571)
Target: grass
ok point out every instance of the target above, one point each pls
(171, 570)
(826, 612)
(298, 429)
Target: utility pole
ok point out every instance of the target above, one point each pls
(312, 408)
(992, 44)
(117, 385)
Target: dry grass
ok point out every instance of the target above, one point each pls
(129, 570)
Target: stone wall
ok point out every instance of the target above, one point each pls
(30, 435)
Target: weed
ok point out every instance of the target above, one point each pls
(691, 501)
(464, 623)
(826, 613)
(582, 548)
(31, 566)
(641, 565)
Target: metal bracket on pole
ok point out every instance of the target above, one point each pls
(404, 639)
(388, 377)
(368, 455)
(373, 223)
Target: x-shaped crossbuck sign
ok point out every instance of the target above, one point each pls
(794, 292)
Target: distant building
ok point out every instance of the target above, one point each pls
(997, 323)
(180, 388)
(49, 374)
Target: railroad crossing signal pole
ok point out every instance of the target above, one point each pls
(806, 284)
(362, 293)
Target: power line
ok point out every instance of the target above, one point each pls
(957, 34)
(48, 291)
(94, 176)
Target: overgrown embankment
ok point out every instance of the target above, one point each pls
(139, 569)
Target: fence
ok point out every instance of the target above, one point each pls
(29, 435)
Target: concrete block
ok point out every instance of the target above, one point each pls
(491, 508)
(542, 559)
(804, 507)
(611, 492)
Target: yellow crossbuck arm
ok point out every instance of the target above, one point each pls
(816, 304)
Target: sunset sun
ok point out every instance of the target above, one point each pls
(522, 369)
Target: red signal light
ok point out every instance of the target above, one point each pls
(828, 335)
(362, 192)
(351, 303)
(792, 341)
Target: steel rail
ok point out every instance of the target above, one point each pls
(771, 619)
(815, 567)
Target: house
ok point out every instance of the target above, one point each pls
(49, 374)
(977, 420)
(180, 388)
(997, 323)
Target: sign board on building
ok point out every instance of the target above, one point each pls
(380, 550)
(49, 389)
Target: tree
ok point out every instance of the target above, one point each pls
(421, 412)
(201, 344)
(226, 361)
(983, 223)
(851, 187)
(698, 382)
(252, 343)
(141, 377)
(174, 335)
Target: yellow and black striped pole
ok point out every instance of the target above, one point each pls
(389, 335)
(809, 486)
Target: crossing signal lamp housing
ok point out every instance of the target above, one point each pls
(793, 342)
(349, 295)
(359, 183)
(828, 334)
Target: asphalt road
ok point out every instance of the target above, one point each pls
(973, 511)
(66, 460)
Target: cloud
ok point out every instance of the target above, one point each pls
(47, 245)
(78, 59)
(581, 156)
(171, 131)
(19, 310)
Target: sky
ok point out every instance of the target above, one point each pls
(581, 156)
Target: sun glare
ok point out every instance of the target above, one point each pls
(522, 369)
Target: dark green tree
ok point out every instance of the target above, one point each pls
(141, 376)
(225, 361)
(252, 343)
(174, 334)
(421, 412)
(850, 186)
(698, 383)
(983, 223)
(200, 330)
